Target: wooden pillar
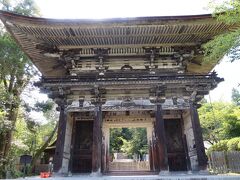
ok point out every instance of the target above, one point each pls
(58, 157)
(161, 141)
(197, 132)
(151, 161)
(184, 139)
(189, 168)
(107, 142)
(103, 158)
(97, 142)
(72, 145)
(149, 139)
(105, 135)
(154, 155)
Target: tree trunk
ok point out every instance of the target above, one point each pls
(6, 138)
(12, 116)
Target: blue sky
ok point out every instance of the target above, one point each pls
(133, 8)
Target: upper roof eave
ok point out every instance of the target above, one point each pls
(4, 15)
(28, 41)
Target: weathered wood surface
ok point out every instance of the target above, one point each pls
(217, 162)
(161, 140)
(197, 132)
(233, 159)
(223, 162)
(154, 155)
(125, 37)
(129, 166)
(58, 157)
(97, 141)
(150, 156)
(72, 145)
(82, 147)
(175, 147)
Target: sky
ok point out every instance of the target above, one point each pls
(121, 8)
(98, 9)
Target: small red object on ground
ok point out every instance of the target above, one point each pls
(45, 174)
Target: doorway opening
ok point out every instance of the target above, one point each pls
(129, 150)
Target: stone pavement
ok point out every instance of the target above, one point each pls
(145, 177)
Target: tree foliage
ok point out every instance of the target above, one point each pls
(232, 144)
(137, 144)
(219, 121)
(23, 7)
(227, 43)
(129, 140)
(236, 96)
(32, 137)
(15, 73)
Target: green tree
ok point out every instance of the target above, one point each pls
(31, 136)
(23, 7)
(236, 96)
(227, 43)
(15, 73)
(129, 140)
(137, 144)
(117, 137)
(219, 121)
(232, 144)
(46, 132)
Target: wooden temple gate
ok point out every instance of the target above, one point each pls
(173, 150)
(151, 65)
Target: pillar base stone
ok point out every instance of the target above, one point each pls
(96, 174)
(59, 174)
(164, 173)
(70, 174)
(204, 172)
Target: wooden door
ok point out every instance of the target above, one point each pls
(82, 149)
(175, 147)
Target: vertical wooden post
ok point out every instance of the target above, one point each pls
(184, 139)
(161, 141)
(103, 158)
(72, 145)
(197, 132)
(58, 157)
(105, 131)
(103, 165)
(149, 139)
(150, 156)
(107, 142)
(97, 142)
(155, 156)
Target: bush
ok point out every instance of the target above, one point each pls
(232, 144)
(221, 146)
(226, 145)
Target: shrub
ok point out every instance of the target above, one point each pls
(226, 145)
(232, 144)
(220, 146)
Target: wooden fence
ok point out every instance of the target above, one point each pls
(223, 162)
(129, 166)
